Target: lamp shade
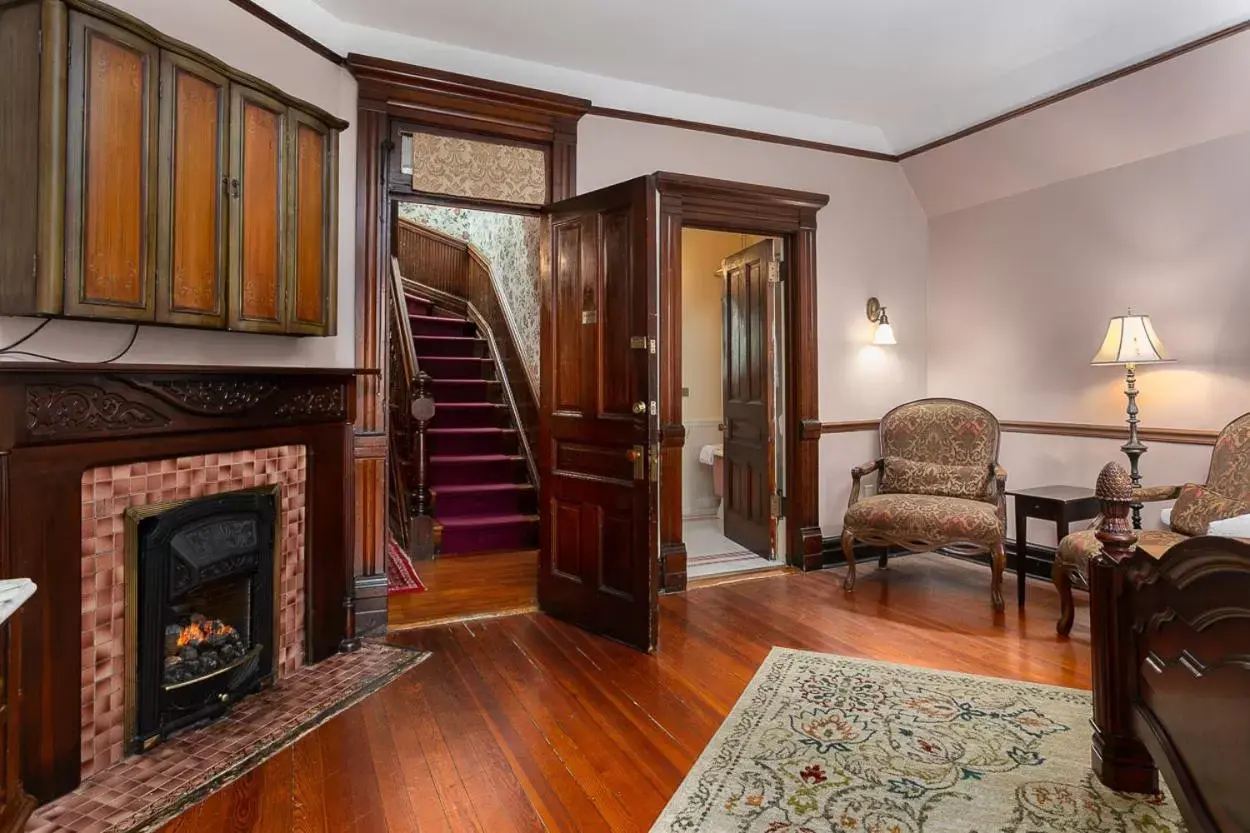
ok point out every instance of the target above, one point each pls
(1131, 339)
(884, 334)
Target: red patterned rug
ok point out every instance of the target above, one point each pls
(401, 575)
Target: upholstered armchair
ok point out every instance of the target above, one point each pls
(939, 485)
(1227, 488)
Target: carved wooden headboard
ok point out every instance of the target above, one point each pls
(1171, 646)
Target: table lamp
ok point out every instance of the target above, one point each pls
(1131, 340)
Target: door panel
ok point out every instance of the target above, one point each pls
(313, 225)
(110, 172)
(749, 447)
(191, 250)
(258, 159)
(598, 566)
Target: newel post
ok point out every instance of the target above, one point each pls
(421, 522)
(1120, 760)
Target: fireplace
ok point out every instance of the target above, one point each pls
(202, 631)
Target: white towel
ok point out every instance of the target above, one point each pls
(709, 453)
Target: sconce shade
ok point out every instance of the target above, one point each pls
(884, 334)
(1131, 339)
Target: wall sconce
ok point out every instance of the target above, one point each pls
(876, 314)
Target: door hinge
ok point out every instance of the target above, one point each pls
(774, 271)
(775, 505)
(655, 464)
(642, 343)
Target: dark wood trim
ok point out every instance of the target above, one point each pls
(290, 31)
(1206, 40)
(1038, 563)
(390, 93)
(60, 420)
(371, 608)
(448, 101)
(369, 447)
(849, 426)
(738, 133)
(1175, 436)
(690, 201)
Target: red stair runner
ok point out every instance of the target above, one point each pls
(482, 496)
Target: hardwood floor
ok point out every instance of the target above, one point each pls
(525, 723)
(464, 586)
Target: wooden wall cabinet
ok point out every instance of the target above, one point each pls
(148, 182)
(258, 215)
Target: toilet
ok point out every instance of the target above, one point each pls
(714, 456)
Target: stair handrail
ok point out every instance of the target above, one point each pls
(412, 408)
(458, 289)
(484, 330)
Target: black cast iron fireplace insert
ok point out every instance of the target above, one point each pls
(203, 608)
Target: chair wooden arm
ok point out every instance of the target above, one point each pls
(858, 473)
(1000, 480)
(1153, 494)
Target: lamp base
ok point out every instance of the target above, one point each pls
(1134, 448)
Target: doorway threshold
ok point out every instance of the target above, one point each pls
(767, 571)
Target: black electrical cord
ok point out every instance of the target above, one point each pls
(45, 322)
(9, 351)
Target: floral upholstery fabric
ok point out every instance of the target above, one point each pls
(948, 432)
(1076, 549)
(918, 478)
(932, 519)
(1230, 461)
(1198, 506)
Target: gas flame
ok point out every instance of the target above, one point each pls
(197, 632)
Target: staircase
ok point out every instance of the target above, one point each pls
(482, 499)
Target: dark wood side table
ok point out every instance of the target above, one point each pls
(1061, 504)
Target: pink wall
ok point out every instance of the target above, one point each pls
(871, 240)
(241, 40)
(1135, 193)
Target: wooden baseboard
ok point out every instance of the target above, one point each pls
(371, 604)
(1037, 563)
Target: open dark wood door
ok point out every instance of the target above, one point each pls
(599, 562)
(750, 470)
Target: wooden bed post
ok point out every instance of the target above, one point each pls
(1120, 760)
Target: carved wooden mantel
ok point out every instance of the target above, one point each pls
(59, 420)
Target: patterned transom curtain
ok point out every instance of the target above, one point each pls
(482, 170)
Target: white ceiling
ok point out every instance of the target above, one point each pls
(914, 69)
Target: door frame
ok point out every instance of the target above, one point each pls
(724, 205)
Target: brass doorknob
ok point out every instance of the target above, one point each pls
(640, 407)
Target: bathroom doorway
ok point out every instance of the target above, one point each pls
(732, 403)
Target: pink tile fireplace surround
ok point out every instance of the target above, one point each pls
(107, 492)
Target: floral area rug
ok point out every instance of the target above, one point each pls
(825, 744)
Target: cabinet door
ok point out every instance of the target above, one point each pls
(191, 245)
(110, 205)
(258, 165)
(313, 214)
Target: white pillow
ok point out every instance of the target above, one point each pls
(1238, 527)
(1166, 517)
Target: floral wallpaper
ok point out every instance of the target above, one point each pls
(510, 244)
